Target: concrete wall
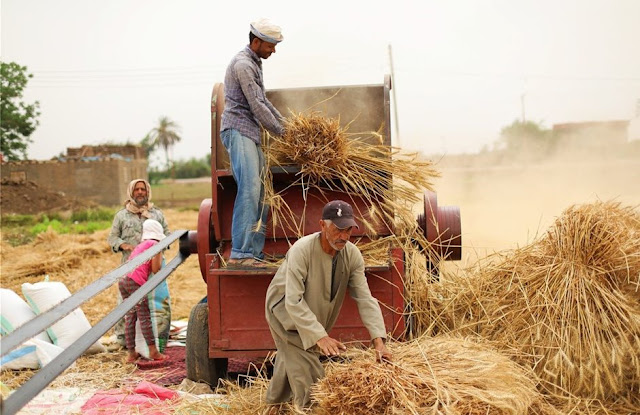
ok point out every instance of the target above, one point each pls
(103, 181)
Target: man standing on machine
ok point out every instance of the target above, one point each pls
(246, 110)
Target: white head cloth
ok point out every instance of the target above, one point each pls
(267, 31)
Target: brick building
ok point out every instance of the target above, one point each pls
(596, 132)
(97, 173)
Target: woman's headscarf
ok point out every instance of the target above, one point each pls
(130, 203)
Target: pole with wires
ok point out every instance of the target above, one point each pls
(395, 101)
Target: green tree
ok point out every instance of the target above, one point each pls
(165, 135)
(192, 168)
(526, 139)
(18, 120)
(148, 145)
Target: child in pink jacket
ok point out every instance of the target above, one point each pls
(152, 233)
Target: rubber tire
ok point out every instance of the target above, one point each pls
(201, 368)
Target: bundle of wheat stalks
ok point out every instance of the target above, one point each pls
(569, 303)
(389, 180)
(441, 375)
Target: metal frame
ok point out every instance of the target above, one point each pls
(48, 373)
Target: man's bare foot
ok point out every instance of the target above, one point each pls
(132, 357)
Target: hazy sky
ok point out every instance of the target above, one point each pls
(105, 71)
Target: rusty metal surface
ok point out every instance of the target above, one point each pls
(217, 149)
(441, 226)
(219, 158)
(237, 299)
(450, 232)
(361, 107)
(206, 241)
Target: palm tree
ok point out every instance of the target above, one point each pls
(148, 145)
(165, 135)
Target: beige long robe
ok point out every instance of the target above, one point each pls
(300, 310)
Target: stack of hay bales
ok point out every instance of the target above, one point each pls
(567, 305)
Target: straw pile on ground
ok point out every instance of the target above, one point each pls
(442, 375)
(232, 399)
(569, 304)
(52, 256)
(82, 374)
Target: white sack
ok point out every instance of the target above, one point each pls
(42, 296)
(14, 312)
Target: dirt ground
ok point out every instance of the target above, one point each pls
(26, 197)
(78, 260)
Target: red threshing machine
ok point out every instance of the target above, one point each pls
(231, 324)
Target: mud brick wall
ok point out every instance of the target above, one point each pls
(127, 151)
(103, 181)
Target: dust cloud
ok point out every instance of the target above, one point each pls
(508, 204)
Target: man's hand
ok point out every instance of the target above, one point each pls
(330, 346)
(126, 247)
(382, 353)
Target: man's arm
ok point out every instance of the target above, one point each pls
(114, 239)
(368, 306)
(258, 102)
(274, 111)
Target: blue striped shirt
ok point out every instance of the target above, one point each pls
(246, 107)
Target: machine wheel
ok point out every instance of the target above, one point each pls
(201, 368)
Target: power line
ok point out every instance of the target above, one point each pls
(125, 78)
(124, 70)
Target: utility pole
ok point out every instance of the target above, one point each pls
(395, 101)
(524, 92)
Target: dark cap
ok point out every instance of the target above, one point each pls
(340, 213)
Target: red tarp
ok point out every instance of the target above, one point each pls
(146, 398)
